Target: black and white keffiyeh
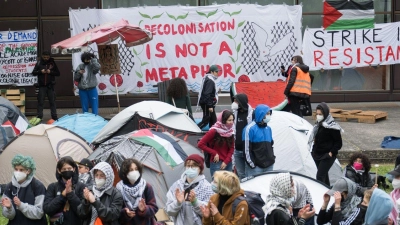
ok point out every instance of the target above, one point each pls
(328, 123)
(352, 200)
(132, 195)
(301, 196)
(281, 193)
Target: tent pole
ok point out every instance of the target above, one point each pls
(116, 88)
(158, 161)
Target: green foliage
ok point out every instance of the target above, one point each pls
(3, 220)
(207, 15)
(232, 13)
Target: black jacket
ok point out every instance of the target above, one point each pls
(241, 120)
(292, 79)
(326, 140)
(108, 208)
(208, 93)
(362, 179)
(46, 79)
(279, 217)
(356, 218)
(54, 202)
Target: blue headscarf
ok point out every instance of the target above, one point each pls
(379, 208)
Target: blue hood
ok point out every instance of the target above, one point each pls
(379, 208)
(260, 112)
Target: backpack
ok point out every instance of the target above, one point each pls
(255, 204)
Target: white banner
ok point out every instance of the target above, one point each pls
(248, 42)
(18, 50)
(324, 49)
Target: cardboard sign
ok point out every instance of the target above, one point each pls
(109, 59)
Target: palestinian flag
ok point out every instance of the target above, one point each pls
(165, 146)
(348, 15)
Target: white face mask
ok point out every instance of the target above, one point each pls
(396, 184)
(320, 118)
(133, 176)
(234, 106)
(267, 119)
(19, 176)
(99, 182)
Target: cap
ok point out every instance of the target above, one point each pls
(198, 159)
(214, 68)
(86, 162)
(396, 171)
(340, 186)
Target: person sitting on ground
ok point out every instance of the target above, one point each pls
(85, 165)
(357, 217)
(349, 201)
(302, 197)
(219, 209)
(278, 209)
(190, 192)
(358, 171)
(178, 95)
(379, 208)
(395, 194)
(103, 202)
(23, 197)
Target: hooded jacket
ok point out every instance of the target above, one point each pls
(292, 80)
(46, 79)
(361, 178)
(54, 201)
(208, 95)
(379, 208)
(91, 69)
(326, 140)
(258, 140)
(243, 116)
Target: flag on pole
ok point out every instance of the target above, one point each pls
(348, 15)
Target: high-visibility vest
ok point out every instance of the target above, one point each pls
(302, 84)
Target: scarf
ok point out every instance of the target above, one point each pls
(223, 129)
(83, 178)
(328, 123)
(281, 192)
(214, 79)
(98, 192)
(352, 200)
(395, 195)
(302, 195)
(132, 195)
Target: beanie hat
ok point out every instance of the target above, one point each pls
(214, 68)
(198, 159)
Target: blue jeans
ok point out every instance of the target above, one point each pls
(253, 172)
(240, 163)
(216, 166)
(88, 98)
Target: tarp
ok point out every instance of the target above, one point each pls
(391, 142)
(86, 125)
(46, 144)
(12, 122)
(163, 113)
(156, 170)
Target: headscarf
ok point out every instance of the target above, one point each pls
(223, 129)
(108, 171)
(379, 208)
(395, 194)
(352, 200)
(301, 195)
(281, 193)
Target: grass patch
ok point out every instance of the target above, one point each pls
(3, 220)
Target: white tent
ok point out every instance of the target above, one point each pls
(162, 112)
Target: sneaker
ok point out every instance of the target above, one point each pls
(35, 121)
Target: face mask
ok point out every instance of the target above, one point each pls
(267, 119)
(396, 184)
(19, 176)
(214, 187)
(320, 118)
(67, 174)
(99, 182)
(192, 173)
(291, 200)
(86, 63)
(133, 176)
(357, 165)
(234, 106)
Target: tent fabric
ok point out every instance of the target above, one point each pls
(12, 121)
(391, 142)
(156, 171)
(80, 122)
(46, 144)
(157, 113)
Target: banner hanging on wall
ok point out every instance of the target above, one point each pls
(18, 50)
(248, 43)
(323, 49)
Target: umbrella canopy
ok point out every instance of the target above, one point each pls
(104, 34)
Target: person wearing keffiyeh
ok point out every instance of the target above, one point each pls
(140, 204)
(219, 142)
(102, 202)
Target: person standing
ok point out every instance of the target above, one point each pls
(85, 165)
(258, 147)
(23, 197)
(243, 115)
(85, 75)
(178, 95)
(327, 141)
(46, 70)
(298, 85)
(208, 97)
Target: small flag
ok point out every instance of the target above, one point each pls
(348, 15)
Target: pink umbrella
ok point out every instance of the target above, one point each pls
(105, 34)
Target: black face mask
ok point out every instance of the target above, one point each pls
(67, 174)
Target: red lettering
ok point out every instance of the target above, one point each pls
(368, 54)
(331, 57)
(193, 49)
(204, 70)
(159, 48)
(224, 47)
(161, 72)
(182, 73)
(380, 52)
(228, 70)
(204, 46)
(317, 58)
(349, 56)
(398, 52)
(160, 31)
(180, 51)
(148, 51)
(173, 70)
(151, 75)
(390, 53)
(153, 29)
(358, 55)
(194, 70)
